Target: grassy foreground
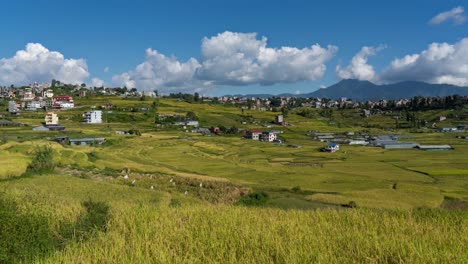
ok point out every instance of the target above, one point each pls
(49, 219)
(242, 235)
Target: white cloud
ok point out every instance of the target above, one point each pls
(96, 82)
(359, 68)
(159, 72)
(232, 58)
(229, 59)
(456, 15)
(439, 63)
(106, 69)
(38, 64)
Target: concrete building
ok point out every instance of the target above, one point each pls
(253, 134)
(12, 107)
(33, 105)
(434, 147)
(28, 95)
(92, 117)
(63, 101)
(48, 93)
(332, 147)
(51, 118)
(86, 141)
(279, 119)
(268, 136)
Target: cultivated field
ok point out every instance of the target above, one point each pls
(180, 201)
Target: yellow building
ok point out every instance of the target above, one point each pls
(51, 118)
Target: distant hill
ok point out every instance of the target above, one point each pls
(365, 90)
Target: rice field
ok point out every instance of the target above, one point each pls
(86, 212)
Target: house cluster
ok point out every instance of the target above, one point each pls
(382, 141)
(63, 102)
(55, 102)
(455, 129)
(267, 136)
(271, 103)
(350, 138)
(51, 121)
(186, 123)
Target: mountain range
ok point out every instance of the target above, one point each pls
(364, 90)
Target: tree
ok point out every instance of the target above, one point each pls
(191, 116)
(196, 97)
(285, 111)
(155, 105)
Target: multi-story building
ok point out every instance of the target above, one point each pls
(28, 95)
(48, 93)
(12, 107)
(51, 118)
(268, 136)
(93, 117)
(253, 134)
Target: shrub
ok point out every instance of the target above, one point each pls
(254, 199)
(43, 161)
(296, 189)
(174, 203)
(92, 156)
(95, 219)
(351, 204)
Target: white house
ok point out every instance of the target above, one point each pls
(12, 107)
(33, 105)
(268, 136)
(193, 123)
(93, 117)
(28, 95)
(253, 134)
(48, 93)
(332, 147)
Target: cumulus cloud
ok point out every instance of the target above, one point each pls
(439, 63)
(159, 71)
(38, 64)
(456, 15)
(96, 82)
(229, 59)
(232, 58)
(359, 68)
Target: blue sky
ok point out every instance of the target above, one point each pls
(116, 34)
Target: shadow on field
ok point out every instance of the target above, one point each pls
(27, 235)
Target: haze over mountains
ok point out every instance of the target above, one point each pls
(365, 90)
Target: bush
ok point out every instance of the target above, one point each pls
(174, 203)
(254, 199)
(43, 162)
(296, 189)
(95, 219)
(351, 204)
(92, 156)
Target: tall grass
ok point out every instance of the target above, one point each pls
(225, 234)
